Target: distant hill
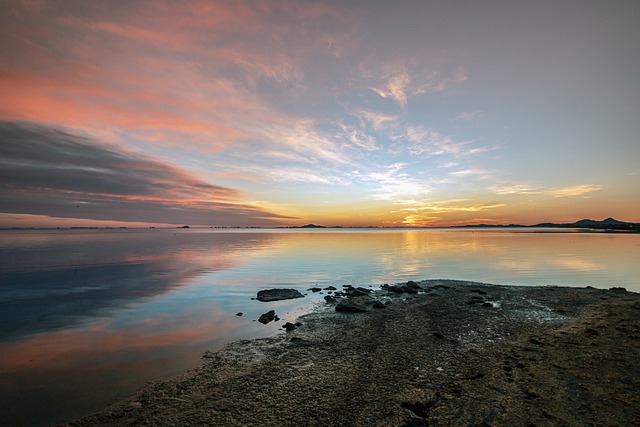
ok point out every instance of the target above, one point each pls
(605, 224)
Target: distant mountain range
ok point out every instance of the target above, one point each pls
(605, 224)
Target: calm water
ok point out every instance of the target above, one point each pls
(90, 315)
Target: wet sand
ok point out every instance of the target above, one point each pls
(455, 353)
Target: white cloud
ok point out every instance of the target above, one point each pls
(471, 172)
(301, 142)
(300, 175)
(396, 186)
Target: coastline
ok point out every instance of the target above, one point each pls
(456, 353)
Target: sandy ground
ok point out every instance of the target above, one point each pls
(456, 353)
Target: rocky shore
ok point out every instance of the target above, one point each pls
(432, 353)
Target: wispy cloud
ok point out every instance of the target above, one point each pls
(516, 189)
(477, 172)
(429, 142)
(395, 87)
(399, 80)
(49, 171)
(526, 189)
(469, 115)
(449, 206)
(574, 191)
(357, 137)
(378, 121)
(396, 186)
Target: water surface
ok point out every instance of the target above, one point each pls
(90, 315)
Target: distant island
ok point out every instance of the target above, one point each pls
(609, 224)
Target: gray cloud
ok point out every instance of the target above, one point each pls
(49, 171)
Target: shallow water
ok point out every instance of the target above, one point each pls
(90, 315)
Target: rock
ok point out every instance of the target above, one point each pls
(267, 295)
(267, 317)
(357, 292)
(618, 289)
(239, 313)
(329, 298)
(403, 289)
(330, 288)
(314, 289)
(354, 304)
(438, 335)
(487, 304)
(379, 304)
(289, 326)
(412, 284)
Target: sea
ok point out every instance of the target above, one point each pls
(88, 316)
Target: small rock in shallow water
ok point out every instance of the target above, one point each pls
(267, 317)
(239, 314)
(289, 326)
(314, 290)
(267, 295)
(329, 298)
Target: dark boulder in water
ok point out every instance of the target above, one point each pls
(267, 317)
(278, 294)
(289, 326)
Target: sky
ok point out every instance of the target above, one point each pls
(352, 113)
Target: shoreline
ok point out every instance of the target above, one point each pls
(457, 352)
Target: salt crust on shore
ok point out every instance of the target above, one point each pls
(537, 356)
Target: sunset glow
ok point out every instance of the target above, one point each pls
(275, 113)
